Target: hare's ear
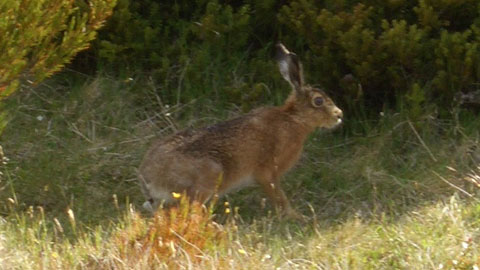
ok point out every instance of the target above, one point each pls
(290, 67)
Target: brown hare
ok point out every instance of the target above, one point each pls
(256, 148)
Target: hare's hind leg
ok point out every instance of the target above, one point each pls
(178, 173)
(154, 196)
(149, 202)
(206, 176)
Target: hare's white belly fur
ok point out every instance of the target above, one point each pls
(241, 183)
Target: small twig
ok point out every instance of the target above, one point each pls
(180, 81)
(137, 139)
(166, 119)
(75, 130)
(421, 141)
(187, 242)
(454, 186)
(32, 90)
(164, 108)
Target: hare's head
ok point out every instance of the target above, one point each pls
(313, 105)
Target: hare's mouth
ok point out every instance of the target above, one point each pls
(336, 124)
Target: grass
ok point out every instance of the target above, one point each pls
(391, 194)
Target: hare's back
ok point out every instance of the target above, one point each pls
(237, 144)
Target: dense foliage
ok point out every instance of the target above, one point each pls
(422, 50)
(38, 37)
(419, 50)
(401, 193)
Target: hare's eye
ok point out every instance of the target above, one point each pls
(318, 101)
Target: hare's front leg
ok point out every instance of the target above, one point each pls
(271, 186)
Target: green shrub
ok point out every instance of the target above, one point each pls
(192, 49)
(394, 47)
(222, 49)
(38, 37)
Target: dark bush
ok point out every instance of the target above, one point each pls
(406, 54)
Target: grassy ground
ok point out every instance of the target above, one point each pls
(392, 194)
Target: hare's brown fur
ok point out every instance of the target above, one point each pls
(258, 147)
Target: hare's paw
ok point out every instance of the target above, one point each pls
(148, 206)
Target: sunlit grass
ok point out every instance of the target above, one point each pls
(444, 234)
(396, 195)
